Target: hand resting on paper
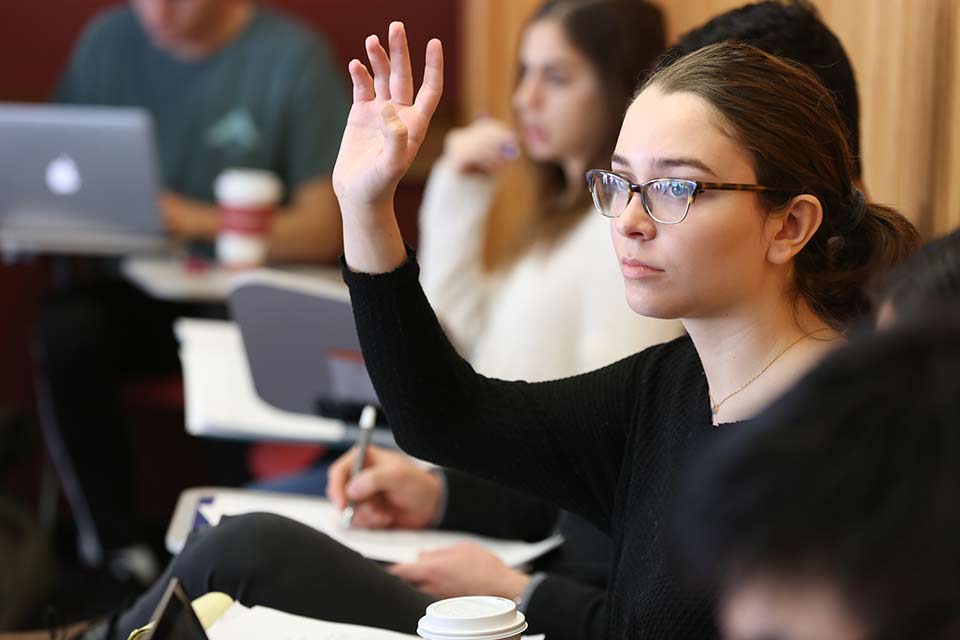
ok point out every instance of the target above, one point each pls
(390, 492)
(465, 569)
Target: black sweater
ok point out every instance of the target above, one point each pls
(610, 445)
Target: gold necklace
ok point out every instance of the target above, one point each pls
(715, 406)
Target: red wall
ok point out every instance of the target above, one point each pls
(36, 37)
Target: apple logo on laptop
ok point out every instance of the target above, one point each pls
(63, 176)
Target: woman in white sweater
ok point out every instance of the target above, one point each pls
(552, 309)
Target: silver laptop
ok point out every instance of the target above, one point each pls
(78, 180)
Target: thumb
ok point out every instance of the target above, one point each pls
(394, 136)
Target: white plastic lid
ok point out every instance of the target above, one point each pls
(472, 618)
(247, 188)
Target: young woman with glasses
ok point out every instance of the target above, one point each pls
(751, 233)
(552, 309)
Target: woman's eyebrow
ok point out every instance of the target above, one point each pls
(669, 163)
(618, 159)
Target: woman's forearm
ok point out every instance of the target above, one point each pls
(371, 239)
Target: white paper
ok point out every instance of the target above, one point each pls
(391, 545)
(220, 397)
(258, 623)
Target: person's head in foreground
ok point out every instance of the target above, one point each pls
(579, 63)
(928, 278)
(732, 191)
(790, 29)
(836, 515)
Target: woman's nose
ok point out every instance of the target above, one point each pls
(635, 222)
(527, 94)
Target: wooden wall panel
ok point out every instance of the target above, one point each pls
(947, 125)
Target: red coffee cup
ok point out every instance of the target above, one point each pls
(248, 200)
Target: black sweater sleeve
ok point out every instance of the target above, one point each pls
(564, 440)
(490, 509)
(565, 609)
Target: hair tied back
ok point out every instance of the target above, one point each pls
(858, 211)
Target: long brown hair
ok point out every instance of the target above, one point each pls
(621, 39)
(790, 124)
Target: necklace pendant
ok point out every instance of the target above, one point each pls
(715, 408)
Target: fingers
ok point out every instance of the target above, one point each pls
(429, 95)
(370, 482)
(401, 75)
(414, 572)
(380, 64)
(362, 82)
(338, 475)
(394, 136)
(370, 515)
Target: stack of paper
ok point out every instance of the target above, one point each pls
(257, 623)
(388, 545)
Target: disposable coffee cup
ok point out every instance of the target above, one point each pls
(248, 200)
(472, 618)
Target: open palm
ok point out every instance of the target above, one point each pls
(387, 124)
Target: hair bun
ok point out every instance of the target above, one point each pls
(858, 211)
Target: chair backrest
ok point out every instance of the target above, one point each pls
(301, 343)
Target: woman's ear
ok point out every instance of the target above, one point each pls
(790, 230)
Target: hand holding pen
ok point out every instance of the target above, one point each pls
(389, 491)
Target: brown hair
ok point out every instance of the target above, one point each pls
(791, 126)
(621, 39)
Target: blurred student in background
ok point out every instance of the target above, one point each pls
(550, 310)
(927, 280)
(228, 84)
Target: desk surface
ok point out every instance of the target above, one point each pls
(222, 402)
(172, 279)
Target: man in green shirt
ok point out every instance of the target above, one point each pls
(229, 85)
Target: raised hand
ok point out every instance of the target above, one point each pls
(387, 124)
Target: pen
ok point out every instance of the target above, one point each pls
(368, 418)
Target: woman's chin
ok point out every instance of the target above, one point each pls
(645, 306)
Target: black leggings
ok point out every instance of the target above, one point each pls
(268, 560)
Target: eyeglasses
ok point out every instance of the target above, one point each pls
(667, 200)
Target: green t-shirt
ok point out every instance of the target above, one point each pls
(271, 99)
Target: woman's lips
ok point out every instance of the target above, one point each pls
(635, 269)
(533, 134)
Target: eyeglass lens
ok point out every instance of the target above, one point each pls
(665, 200)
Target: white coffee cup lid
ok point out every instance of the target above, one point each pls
(472, 618)
(247, 188)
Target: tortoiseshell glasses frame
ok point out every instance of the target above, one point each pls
(666, 200)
